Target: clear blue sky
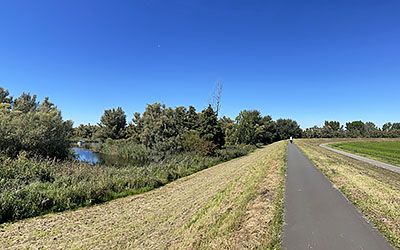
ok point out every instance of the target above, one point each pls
(307, 60)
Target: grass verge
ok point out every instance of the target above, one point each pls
(385, 151)
(247, 214)
(374, 191)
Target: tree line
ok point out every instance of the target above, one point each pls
(354, 129)
(38, 129)
(167, 129)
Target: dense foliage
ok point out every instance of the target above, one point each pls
(35, 128)
(167, 130)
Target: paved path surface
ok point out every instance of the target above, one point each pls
(318, 216)
(364, 159)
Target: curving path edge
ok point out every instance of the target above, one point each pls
(376, 163)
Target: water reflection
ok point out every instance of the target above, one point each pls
(86, 155)
(90, 157)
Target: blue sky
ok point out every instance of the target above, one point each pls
(307, 60)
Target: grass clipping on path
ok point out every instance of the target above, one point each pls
(374, 191)
(234, 205)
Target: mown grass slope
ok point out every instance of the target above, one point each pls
(385, 151)
(236, 205)
(374, 191)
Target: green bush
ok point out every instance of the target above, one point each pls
(35, 132)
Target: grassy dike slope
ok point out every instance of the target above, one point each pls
(236, 204)
(374, 191)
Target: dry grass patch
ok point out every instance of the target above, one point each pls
(235, 205)
(374, 191)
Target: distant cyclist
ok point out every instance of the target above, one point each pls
(291, 139)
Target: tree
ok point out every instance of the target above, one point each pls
(387, 127)
(160, 129)
(355, 129)
(228, 127)
(46, 105)
(86, 131)
(331, 129)
(35, 131)
(267, 130)
(216, 98)
(248, 124)
(286, 128)
(371, 130)
(5, 96)
(314, 132)
(192, 118)
(26, 103)
(209, 128)
(5, 100)
(135, 128)
(113, 123)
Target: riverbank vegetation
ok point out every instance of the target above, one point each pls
(38, 173)
(30, 187)
(234, 205)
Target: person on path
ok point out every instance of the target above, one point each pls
(291, 139)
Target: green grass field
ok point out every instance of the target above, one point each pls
(385, 151)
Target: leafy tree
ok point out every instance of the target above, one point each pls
(160, 130)
(248, 127)
(355, 129)
(46, 105)
(209, 128)
(86, 131)
(387, 127)
(179, 115)
(5, 96)
(5, 100)
(113, 123)
(314, 132)
(34, 128)
(371, 130)
(135, 128)
(192, 118)
(331, 129)
(286, 128)
(26, 103)
(266, 131)
(391, 126)
(228, 127)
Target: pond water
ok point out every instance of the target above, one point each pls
(86, 155)
(93, 158)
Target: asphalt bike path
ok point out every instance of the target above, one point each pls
(318, 216)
